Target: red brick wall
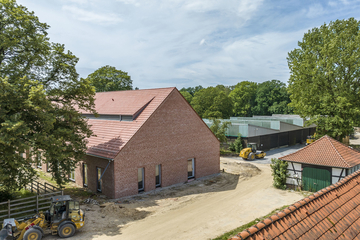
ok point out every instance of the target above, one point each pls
(107, 179)
(171, 136)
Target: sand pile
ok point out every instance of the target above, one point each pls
(119, 211)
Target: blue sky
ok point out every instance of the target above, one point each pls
(166, 43)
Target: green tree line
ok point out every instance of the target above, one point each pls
(244, 99)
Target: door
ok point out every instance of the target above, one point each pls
(315, 179)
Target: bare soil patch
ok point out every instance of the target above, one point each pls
(202, 209)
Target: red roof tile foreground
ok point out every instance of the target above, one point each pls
(326, 151)
(112, 136)
(331, 213)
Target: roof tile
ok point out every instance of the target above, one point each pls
(327, 214)
(326, 151)
(111, 136)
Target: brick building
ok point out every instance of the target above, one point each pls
(145, 139)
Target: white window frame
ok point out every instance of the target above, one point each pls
(38, 160)
(72, 175)
(193, 168)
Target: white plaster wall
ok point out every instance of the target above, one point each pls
(337, 172)
(291, 173)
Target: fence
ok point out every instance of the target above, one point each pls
(41, 188)
(24, 207)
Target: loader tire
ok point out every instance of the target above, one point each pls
(32, 234)
(66, 230)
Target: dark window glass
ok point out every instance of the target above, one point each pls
(141, 179)
(99, 181)
(191, 168)
(158, 175)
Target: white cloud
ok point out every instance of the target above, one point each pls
(315, 11)
(132, 2)
(202, 41)
(88, 16)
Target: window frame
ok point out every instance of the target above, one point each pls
(85, 173)
(142, 189)
(72, 175)
(158, 167)
(98, 183)
(193, 168)
(38, 160)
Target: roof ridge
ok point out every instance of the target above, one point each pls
(300, 150)
(329, 139)
(297, 205)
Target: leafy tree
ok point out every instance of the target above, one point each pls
(40, 95)
(243, 98)
(279, 172)
(192, 90)
(236, 146)
(324, 80)
(108, 78)
(212, 103)
(272, 98)
(219, 129)
(187, 96)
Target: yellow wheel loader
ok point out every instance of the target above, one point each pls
(63, 218)
(251, 152)
(310, 139)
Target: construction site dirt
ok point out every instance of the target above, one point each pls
(201, 209)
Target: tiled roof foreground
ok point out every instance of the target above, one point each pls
(111, 135)
(326, 151)
(331, 213)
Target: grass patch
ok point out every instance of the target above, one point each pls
(69, 188)
(235, 231)
(78, 193)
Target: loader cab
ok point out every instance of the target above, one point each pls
(253, 147)
(63, 208)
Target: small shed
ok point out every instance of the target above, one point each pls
(320, 164)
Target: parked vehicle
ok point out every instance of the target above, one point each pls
(63, 218)
(251, 152)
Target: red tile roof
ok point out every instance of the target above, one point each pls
(111, 136)
(326, 151)
(331, 213)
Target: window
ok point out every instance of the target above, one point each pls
(99, 180)
(85, 179)
(158, 175)
(38, 160)
(141, 179)
(72, 175)
(191, 168)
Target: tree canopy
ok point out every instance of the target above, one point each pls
(40, 95)
(325, 72)
(243, 97)
(212, 102)
(108, 78)
(272, 98)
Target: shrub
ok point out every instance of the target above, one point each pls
(279, 172)
(232, 147)
(238, 144)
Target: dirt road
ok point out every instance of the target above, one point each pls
(198, 210)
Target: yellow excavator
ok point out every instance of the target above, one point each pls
(251, 152)
(63, 218)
